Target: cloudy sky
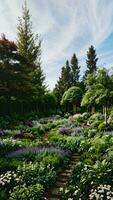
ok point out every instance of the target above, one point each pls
(66, 26)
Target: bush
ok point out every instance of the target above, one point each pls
(102, 192)
(52, 160)
(102, 126)
(96, 119)
(63, 141)
(23, 192)
(110, 119)
(80, 118)
(33, 173)
(7, 145)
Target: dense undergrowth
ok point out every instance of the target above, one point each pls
(34, 152)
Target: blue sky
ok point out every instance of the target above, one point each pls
(66, 27)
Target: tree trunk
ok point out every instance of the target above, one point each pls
(92, 110)
(105, 114)
(74, 109)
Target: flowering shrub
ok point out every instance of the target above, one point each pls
(96, 119)
(33, 173)
(42, 148)
(7, 145)
(80, 118)
(9, 179)
(102, 192)
(23, 192)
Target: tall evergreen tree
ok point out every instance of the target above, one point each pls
(64, 82)
(15, 84)
(29, 46)
(67, 76)
(91, 61)
(75, 70)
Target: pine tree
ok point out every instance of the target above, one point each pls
(75, 70)
(67, 76)
(15, 84)
(91, 61)
(29, 46)
(64, 82)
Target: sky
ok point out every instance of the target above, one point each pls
(65, 27)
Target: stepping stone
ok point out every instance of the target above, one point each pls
(75, 157)
(55, 191)
(63, 179)
(65, 174)
(68, 171)
(73, 162)
(60, 184)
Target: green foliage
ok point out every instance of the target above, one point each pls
(72, 96)
(8, 165)
(26, 40)
(66, 142)
(52, 160)
(99, 91)
(80, 118)
(75, 70)
(64, 82)
(33, 173)
(96, 119)
(91, 61)
(69, 77)
(24, 192)
(3, 195)
(7, 145)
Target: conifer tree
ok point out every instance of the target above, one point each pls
(64, 82)
(91, 61)
(29, 46)
(67, 76)
(75, 70)
(15, 83)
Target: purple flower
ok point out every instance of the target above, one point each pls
(19, 134)
(47, 147)
(77, 129)
(64, 130)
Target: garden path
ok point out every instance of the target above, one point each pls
(53, 193)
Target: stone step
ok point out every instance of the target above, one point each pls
(78, 157)
(73, 162)
(60, 184)
(55, 191)
(75, 156)
(64, 179)
(67, 171)
(65, 174)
